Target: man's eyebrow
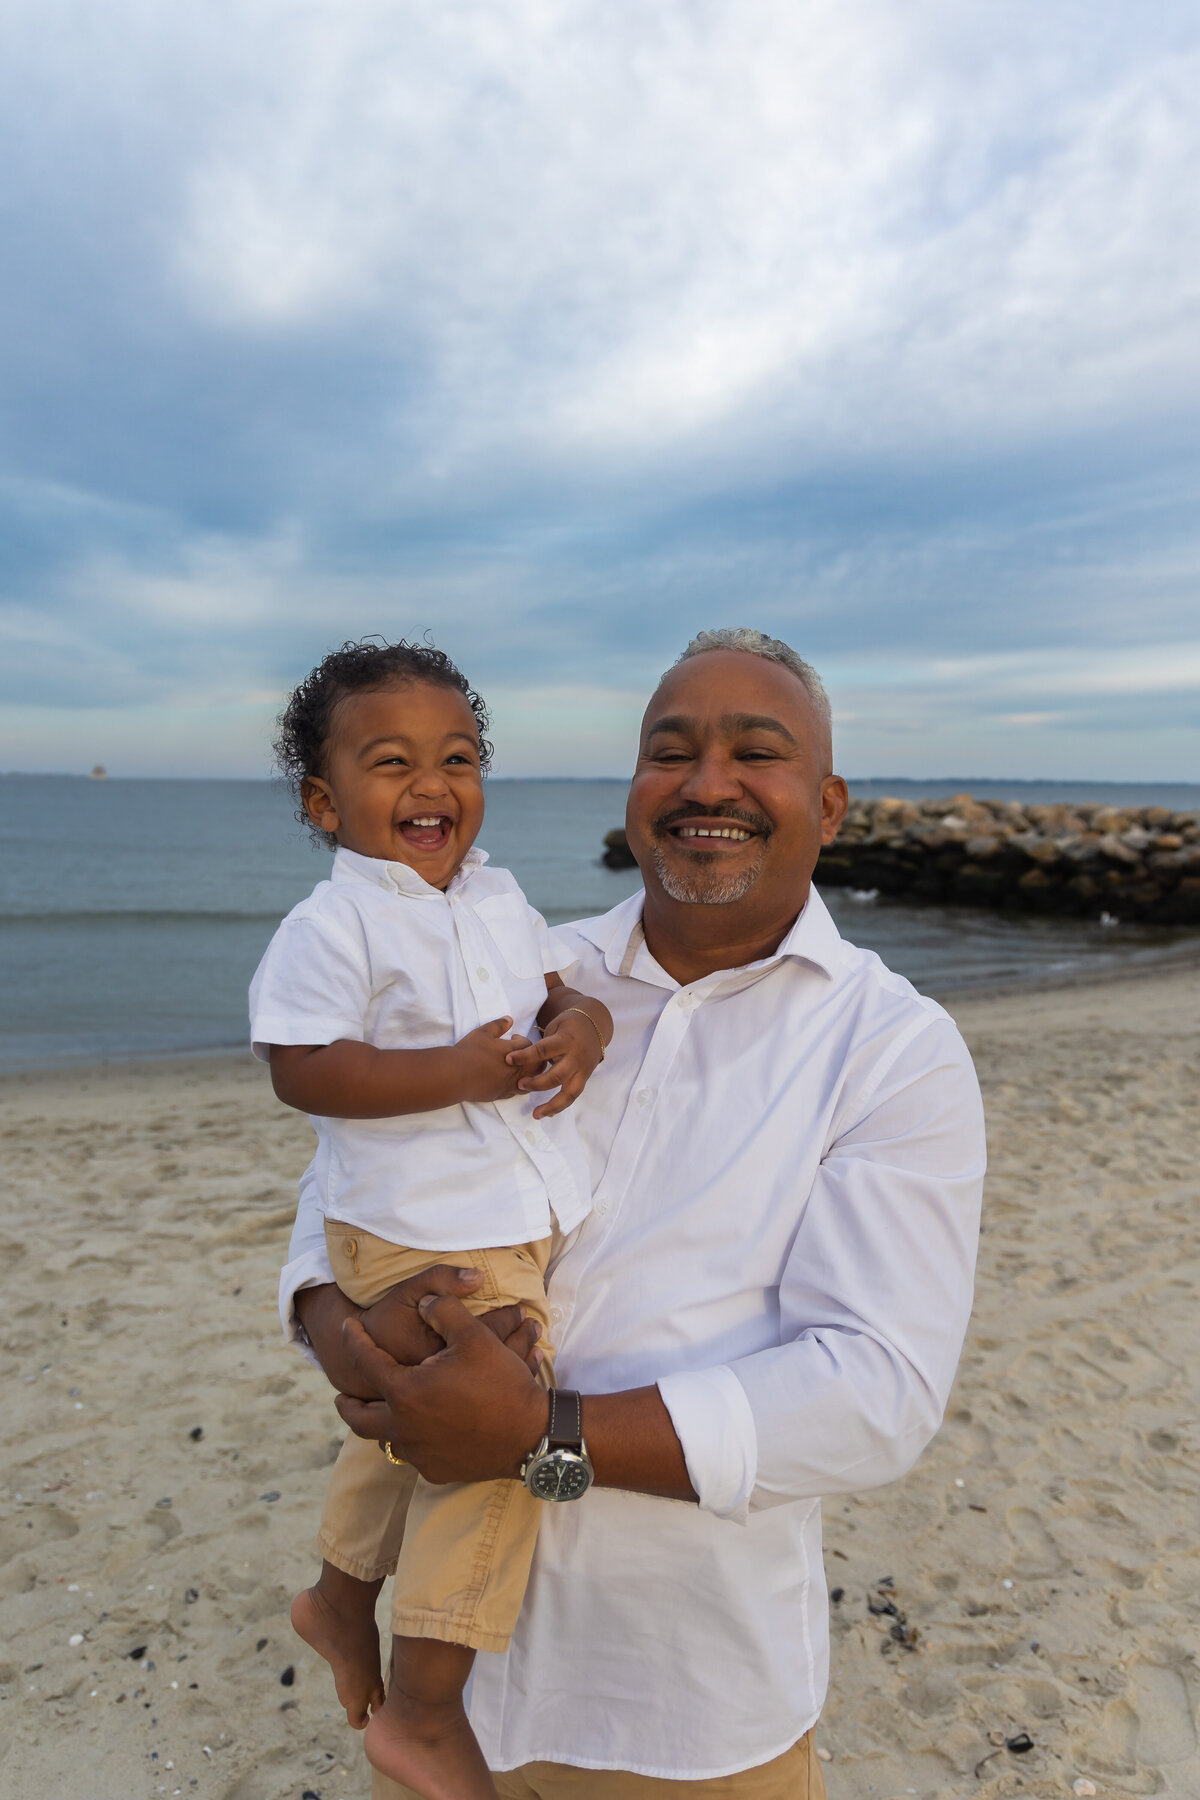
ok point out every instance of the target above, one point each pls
(756, 722)
(731, 723)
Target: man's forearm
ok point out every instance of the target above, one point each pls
(632, 1444)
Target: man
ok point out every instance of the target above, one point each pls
(765, 1305)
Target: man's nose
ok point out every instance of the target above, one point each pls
(714, 777)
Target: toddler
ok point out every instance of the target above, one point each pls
(383, 1005)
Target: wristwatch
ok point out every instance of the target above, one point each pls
(560, 1468)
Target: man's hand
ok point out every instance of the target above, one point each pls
(481, 1062)
(567, 1054)
(396, 1323)
(471, 1412)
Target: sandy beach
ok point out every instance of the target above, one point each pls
(1018, 1616)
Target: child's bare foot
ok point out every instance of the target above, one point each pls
(337, 1619)
(421, 1736)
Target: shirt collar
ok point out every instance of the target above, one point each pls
(814, 938)
(397, 877)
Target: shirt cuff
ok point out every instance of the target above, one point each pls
(267, 1029)
(713, 1421)
(313, 1269)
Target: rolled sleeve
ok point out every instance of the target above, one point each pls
(714, 1422)
(876, 1295)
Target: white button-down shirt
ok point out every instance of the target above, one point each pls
(787, 1163)
(379, 956)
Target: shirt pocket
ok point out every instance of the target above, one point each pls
(505, 918)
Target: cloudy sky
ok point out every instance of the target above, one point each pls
(563, 330)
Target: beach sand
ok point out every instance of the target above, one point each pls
(164, 1455)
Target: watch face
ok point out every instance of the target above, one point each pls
(560, 1475)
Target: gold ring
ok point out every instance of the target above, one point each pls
(385, 1446)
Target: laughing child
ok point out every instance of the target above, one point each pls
(384, 1005)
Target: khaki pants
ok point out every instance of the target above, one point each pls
(461, 1551)
(796, 1775)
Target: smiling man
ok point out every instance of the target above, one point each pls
(765, 1306)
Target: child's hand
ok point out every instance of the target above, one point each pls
(570, 1049)
(485, 1073)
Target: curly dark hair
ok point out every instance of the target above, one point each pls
(305, 724)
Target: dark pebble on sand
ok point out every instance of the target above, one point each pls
(192, 1595)
(136, 1655)
(836, 1595)
(261, 1644)
(1019, 1744)
(196, 1433)
(311, 1794)
(273, 1495)
(288, 1676)
(164, 1502)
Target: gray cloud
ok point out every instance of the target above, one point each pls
(562, 333)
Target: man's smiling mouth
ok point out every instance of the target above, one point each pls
(701, 830)
(736, 833)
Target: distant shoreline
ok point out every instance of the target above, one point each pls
(886, 783)
(1183, 958)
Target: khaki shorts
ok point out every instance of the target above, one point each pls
(461, 1552)
(796, 1775)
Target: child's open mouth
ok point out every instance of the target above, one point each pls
(427, 831)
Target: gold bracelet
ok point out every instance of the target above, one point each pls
(586, 1015)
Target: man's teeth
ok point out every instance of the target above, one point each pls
(710, 831)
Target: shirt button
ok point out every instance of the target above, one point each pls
(556, 1315)
(532, 1137)
(645, 1096)
(602, 1207)
(482, 973)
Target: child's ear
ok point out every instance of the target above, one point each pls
(317, 802)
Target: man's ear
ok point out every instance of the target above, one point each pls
(835, 798)
(317, 801)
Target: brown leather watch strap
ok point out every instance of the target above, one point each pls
(565, 1424)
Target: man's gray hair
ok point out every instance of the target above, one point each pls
(757, 643)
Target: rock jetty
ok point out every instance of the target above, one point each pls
(1091, 861)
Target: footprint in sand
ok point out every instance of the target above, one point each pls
(1036, 1551)
(1153, 1723)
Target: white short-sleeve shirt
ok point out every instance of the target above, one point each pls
(378, 956)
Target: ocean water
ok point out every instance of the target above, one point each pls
(133, 913)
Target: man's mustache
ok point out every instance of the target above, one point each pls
(733, 815)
